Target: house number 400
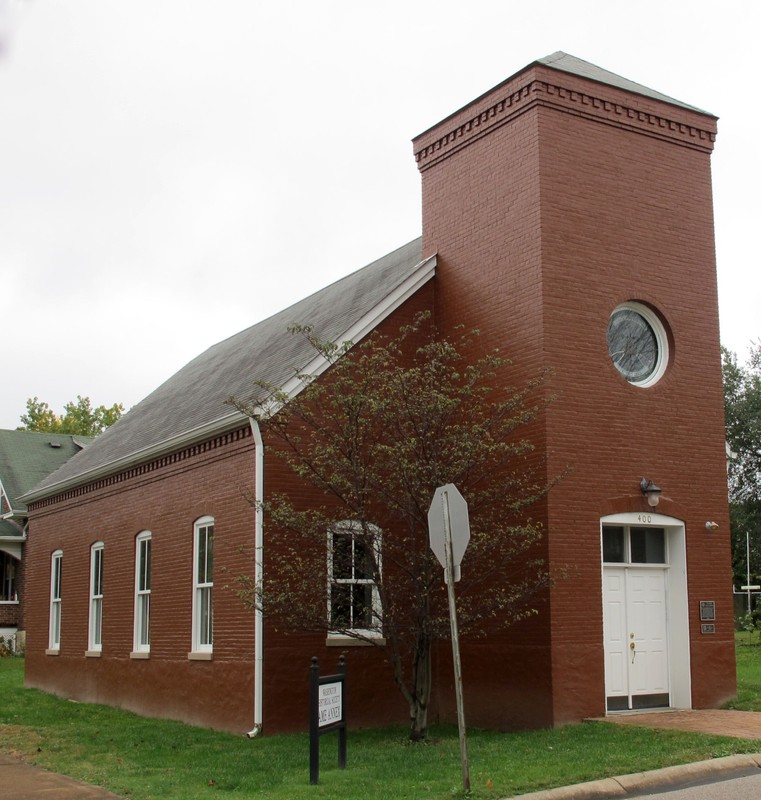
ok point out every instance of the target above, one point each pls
(644, 518)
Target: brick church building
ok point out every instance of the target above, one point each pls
(567, 215)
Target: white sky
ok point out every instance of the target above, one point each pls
(172, 171)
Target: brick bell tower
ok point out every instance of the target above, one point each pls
(571, 212)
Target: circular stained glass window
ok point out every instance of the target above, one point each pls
(637, 344)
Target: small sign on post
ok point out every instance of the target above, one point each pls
(327, 712)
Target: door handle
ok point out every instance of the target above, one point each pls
(633, 648)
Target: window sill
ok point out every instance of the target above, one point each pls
(350, 641)
(200, 656)
(92, 653)
(9, 602)
(53, 651)
(140, 654)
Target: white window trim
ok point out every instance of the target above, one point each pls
(95, 626)
(357, 635)
(199, 589)
(141, 649)
(54, 629)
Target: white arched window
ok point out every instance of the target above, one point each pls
(142, 629)
(354, 568)
(54, 636)
(94, 639)
(203, 585)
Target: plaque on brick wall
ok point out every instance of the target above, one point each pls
(707, 611)
(707, 627)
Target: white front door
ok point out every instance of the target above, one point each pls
(636, 637)
(635, 616)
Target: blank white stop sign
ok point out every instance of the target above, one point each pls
(448, 509)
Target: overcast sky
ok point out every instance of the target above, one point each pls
(173, 171)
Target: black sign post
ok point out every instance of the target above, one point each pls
(327, 712)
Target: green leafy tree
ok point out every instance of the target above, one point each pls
(78, 419)
(387, 424)
(742, 405)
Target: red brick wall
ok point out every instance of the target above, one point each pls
(373, 698)
(165, 501)
(627, 216)
(550, 200)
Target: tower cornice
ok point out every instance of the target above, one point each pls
(573, 96)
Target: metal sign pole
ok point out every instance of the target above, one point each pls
(455, 645)
(314, 730)
(747, 565)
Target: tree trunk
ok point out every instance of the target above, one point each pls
(421, 690)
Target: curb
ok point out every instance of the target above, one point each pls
(641, 782)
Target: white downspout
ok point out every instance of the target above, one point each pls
(258, 575)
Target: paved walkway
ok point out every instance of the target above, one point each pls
(19, 781)
(738, 724)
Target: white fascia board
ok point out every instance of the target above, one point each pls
(4, 494)
(13, 547)
(424, 271)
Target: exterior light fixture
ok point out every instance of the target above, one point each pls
(651, 491)
(712, 526)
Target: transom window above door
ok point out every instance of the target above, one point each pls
(624, 544)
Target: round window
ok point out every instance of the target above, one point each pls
(637, 344)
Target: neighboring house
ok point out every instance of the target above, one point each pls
(25, 459)
(567, 215)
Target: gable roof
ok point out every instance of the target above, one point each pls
(191, 407)
(577, 66)
(26, 458)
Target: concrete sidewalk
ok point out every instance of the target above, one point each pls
(658, 780)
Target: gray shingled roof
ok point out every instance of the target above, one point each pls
(192, 402)
(26, 457)
(577, 66)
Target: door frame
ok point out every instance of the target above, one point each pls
(677, 609)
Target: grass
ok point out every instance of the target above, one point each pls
(144, 759)
(748, 651)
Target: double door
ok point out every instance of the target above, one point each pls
(636, 637)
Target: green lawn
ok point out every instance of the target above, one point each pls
(748, 650)
(143, 759)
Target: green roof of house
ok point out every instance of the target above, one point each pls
(26, 458)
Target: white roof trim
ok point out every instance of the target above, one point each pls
(424, 271)
(4, 494)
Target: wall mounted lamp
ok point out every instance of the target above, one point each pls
(651, 491)
(712, 526)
